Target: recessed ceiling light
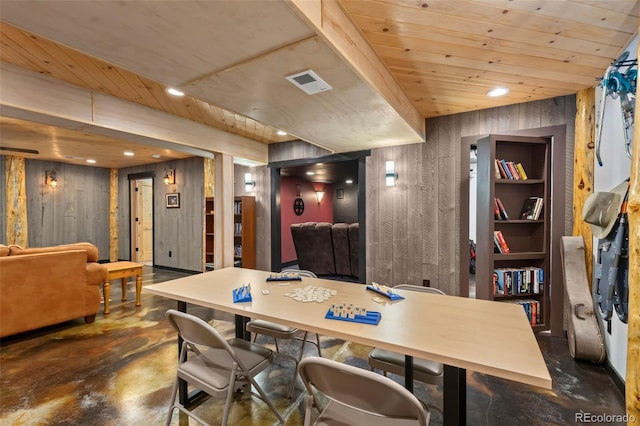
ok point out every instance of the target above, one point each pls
(497, 91)
(310, 173)
(281, 133)
(156, 156)
(348, 181)
(90, 161)
(175, 92)
(129, 153)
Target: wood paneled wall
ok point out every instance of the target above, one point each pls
(420, 215)
(16, 201)
(262, 176)
(72, 212)
(176, 230)
(3, 201)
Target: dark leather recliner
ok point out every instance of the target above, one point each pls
(354, 242)
(341, 251)
(326, 249)
(314, 247)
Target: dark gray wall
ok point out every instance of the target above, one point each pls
(177, 230)
(75, 211)
(345, 209)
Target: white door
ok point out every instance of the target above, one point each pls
(145, 222)
(142, 220)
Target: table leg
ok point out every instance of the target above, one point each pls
(106, 293)
(408, 373)
(455, 396)
(123, 283)
(241, 328)
(138, 287)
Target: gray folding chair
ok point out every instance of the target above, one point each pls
(357, 396)
(217, 366)
(392, 362)
(283, 332)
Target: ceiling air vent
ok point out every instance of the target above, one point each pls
(309, 82)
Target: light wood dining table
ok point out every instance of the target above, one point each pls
(463, 334)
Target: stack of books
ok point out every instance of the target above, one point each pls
(500, 243)
(532, 309)
(515, 281)
(509, 170)
(499, 211)
(531, 208)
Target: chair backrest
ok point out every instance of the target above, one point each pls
(360, 389)
(420, 288)
(195, 331)
(300, 272)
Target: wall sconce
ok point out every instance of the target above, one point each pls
(169, 177)
(249, 183)
(50, 178)
(319, 195)
(390, 175)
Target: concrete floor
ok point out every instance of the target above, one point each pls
(119, 370)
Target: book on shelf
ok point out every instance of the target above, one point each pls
(523, 174)
(512, 168)
(501, 242)
(237, 207)
(496, 171)
(509, 170)
(531, 208)
(531, 309)
(517, 281)
(502, 212)
(500, 170)
(537, 214)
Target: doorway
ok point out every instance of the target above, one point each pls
(358, 158)
(142, 221)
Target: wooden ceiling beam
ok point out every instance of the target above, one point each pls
(332, 23)
(26, 93)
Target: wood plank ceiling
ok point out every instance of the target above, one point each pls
(443, 55)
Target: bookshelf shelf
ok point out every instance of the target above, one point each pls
(244, 219)
(209, 218)
(518, 222)
(244, 235)
(526, 265)
(518, 182)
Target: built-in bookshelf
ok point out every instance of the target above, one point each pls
(209, 218)
(513, 226)
(244, 231)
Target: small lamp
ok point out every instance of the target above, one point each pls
(169, 177)
(390, 175)
(50, 178)
(249, 183)
(319, 195)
